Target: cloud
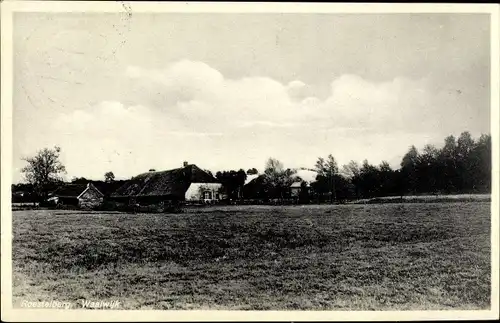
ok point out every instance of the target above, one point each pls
(195, 134)
(196, 91)
(180, 82)
(297, 90)
(190, 111)
(356, 102)
(266, 124)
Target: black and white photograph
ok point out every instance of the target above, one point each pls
(314, 160)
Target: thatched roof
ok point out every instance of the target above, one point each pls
(250, 178)
(107, 188)
(307, 175)
(72, 190)
(174, 182)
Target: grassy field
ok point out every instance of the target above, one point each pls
(422, 256)
(438, 198)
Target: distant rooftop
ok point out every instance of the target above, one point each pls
(307, 175)
(251, 178)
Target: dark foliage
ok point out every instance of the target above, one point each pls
(232, 182)
(462, 165)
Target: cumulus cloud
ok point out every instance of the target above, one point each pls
(297, 90)
(108, 115)
(356, 102)
(190, 111)
(196, 91)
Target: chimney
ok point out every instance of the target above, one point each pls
(185, 164)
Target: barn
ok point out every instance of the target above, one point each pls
(81, 195)
(188, 183)
(255, 188)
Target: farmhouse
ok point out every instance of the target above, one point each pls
(188, 183)
(81, 195)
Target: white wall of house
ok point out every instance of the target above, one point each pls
(203, 191)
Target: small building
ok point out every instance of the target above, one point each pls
(307, 176)
(81, 195)
(188, 183)
(296, 188)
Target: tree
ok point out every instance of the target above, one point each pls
(450, 146)
(252, 171)
(304, 193)
(79, 180)
(448, 161)
(44, 170)
(386, 178)
(428, 170)
(409, 169)
(369, 180)
(109, 177)
(352, 172)
(289, 177)
(273, 167)
(23, 193)
(320, 166)
(480, 161)
(327, 172)
(232, 182)
(465, 145)
(273, 172)
(278, 179)
(385, 167)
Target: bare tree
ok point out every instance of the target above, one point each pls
(351, 170)
(274, 169)
(278, 178)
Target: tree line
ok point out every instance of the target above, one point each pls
(462, 165)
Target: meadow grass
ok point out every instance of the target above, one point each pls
(424, 256)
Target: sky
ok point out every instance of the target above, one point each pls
(127, 93)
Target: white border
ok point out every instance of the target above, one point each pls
(9, 314)
(495, 142)
(242, 7)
